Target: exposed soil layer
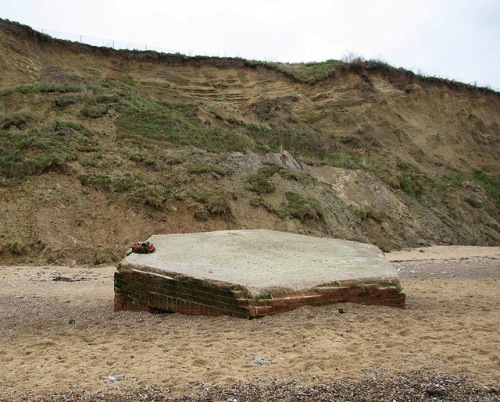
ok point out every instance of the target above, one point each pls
(102, 148)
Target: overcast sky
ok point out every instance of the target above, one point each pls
(456, 39)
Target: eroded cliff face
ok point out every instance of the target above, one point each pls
(101, 148)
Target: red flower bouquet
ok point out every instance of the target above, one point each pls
(143, 248)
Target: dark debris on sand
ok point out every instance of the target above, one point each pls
(417, 386)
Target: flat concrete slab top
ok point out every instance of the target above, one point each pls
(263, 260)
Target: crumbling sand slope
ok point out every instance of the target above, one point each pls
(368, 153)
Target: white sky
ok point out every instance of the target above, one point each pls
(455, 39)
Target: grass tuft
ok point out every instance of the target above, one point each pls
(43, 87)
(215, 202)
(302, 207)
(131, 186)
(95, 111)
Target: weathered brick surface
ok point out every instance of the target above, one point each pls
(137, 290)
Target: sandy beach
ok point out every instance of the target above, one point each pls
(60, 335)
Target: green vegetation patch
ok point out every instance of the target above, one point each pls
(369, 212)
(408, 178)
(33, 152)
(145, 120)
(43, 87)
(95, 111)
(202, 168)
(154, 195)
(411, 184)
(490, 184)
(147, 160)
(302, 207)
(18, 119)
(216, 202)
(107, 98)
(127, 79)
(263, 137)
(306, 72)
(65, 100)
(260, 184)
(98, 161)
(131, 186)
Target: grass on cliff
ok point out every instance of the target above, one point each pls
(261, 181)
(302, 207)
(296, 205)
(32, 152)
(145, 125)
(216, 202)
(132, 186)
(306, 72)
(146, 121)
(43, 87)
(490, 184)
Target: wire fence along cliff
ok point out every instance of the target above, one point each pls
(101, 42)
(120, 45)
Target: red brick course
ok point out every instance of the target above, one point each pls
(137, 290)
